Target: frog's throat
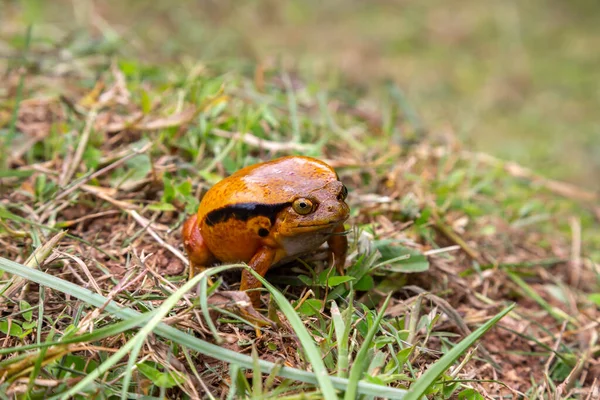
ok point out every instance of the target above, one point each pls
(299, 228)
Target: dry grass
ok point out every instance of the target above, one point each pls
(117, 154)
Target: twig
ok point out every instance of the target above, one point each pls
(101, 192)
(85, 270)
(144, 222)
(575, 263)
(85, 136)
(442, 250)
(136, 122)
(95, 175)
(156, 237)
(35, 260)
(450, 234)
(252, 140)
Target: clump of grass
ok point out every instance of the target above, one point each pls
(443, 242)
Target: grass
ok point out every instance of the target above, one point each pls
(469, 277)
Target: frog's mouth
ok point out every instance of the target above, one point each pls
(301, 228)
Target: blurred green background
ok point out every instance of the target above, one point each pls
(517, 79)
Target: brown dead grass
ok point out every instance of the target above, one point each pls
(124, 259)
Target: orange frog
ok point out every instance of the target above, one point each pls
(266, 214)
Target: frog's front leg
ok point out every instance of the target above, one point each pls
(261, 262)
(199, 255)
(338, 247)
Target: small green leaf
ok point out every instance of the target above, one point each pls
(29, 324)
(15, 329)
(595, 297)
(169, 190)
(311, 307)
(92, 157)
(449, 388)
(145, 101)
(272, 346)
(334, 281)
(470, 394)
(140, 165)
(322, 278)
(365, 283)
(305, 279)
(161, 379)
(399, 258)
(403, 355)
(185, 188)
(27, 315)
(455, 178)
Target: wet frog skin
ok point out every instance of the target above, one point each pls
(266, 214)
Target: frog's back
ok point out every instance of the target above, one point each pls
(275, 182)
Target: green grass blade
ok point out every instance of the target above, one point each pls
(310, 349)
(556, 313)
(135, 344)
(341, 336)
(98, 334)
(420, 387)
(19, 95)
(185, 339)
(234, 370)
(360, 362)
(203, 297)
(257, 382)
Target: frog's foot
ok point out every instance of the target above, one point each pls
(240, 304)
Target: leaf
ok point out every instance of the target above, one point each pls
(92, 157)
(29, 324)
(365, 283)
(140, 165)
(470, 394)
(306, 280)
(311, 307)
(145, 102)
(27, 315)
(403, 355)
(15, 329)
(169, 190)
(334, 281)
(185, 188)
(595, 297)
(166, 380)
(399, 258)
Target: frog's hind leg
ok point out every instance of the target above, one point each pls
(199, 255)
(338, 248)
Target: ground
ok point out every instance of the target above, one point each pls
(107, 155)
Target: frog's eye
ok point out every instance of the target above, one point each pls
(303, 206)
(343, 194)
